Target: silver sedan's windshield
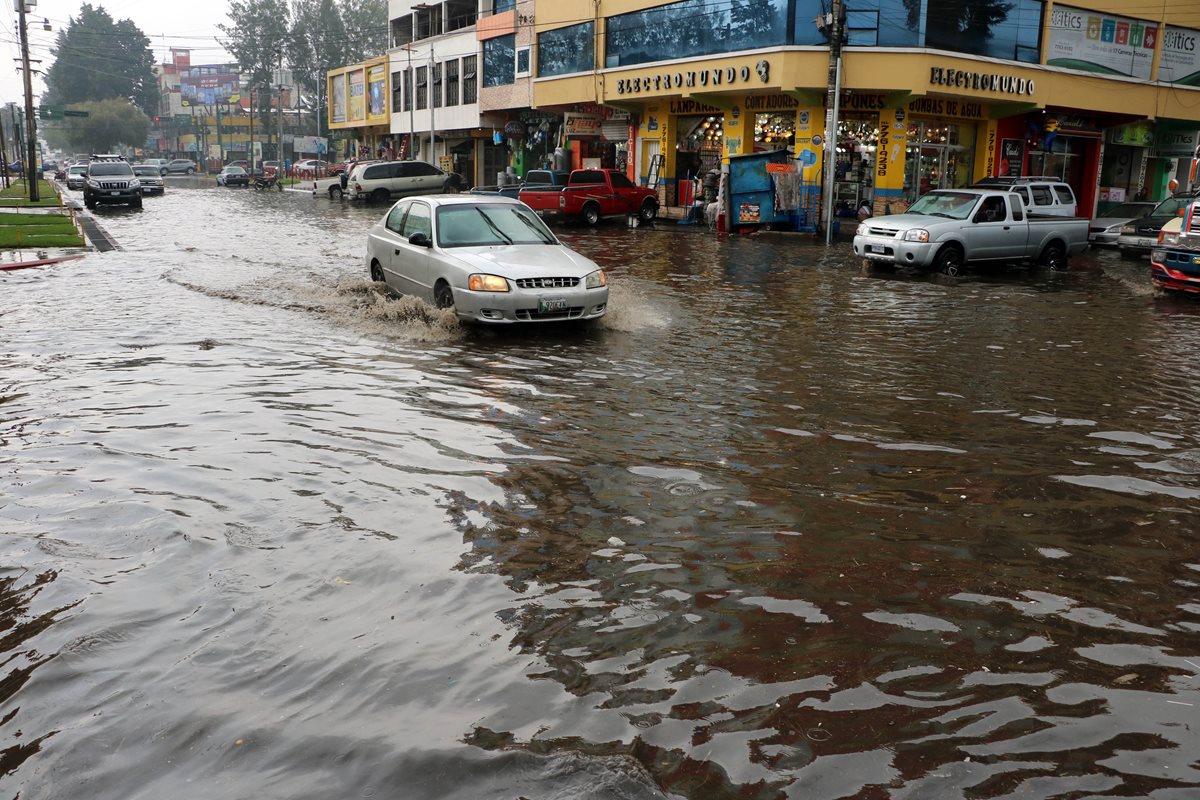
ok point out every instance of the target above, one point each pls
(951, 205)
(472, 225)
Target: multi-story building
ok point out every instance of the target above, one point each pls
(934, 93)
(360, 107)
(434, 63)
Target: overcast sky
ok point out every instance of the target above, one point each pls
(168, 23)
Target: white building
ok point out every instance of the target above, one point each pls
(435, 69)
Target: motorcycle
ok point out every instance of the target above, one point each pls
(264, 182)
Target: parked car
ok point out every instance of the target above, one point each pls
(181, 166)
(151, 179)
(490, 259)
(310, 168)
(1041, 195)
(383, 180)
(591, 194)
(534, 179)
(1106, 230)
(1138, 237)
(947, 229)
(233, 176)
(76, 175)
(159, 163)
(240, 163)
(111, 181)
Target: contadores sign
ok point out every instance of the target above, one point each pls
(1111, 45)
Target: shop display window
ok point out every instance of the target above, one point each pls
(774, 131)
(698, 27)
(941, 155)
(854, 164)
(566, 50)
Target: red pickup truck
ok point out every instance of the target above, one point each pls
(591, 194)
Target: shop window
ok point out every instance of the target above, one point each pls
(499, 58)
(695, 28)
(452, 82)
(774, 131)
(422, 86)
(566, 50)
(523, 61)
(470, 81)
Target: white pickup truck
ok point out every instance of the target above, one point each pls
(949, 228)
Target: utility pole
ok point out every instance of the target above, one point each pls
(833, 23)
(279, 169)
(4, 154)
(432, 89)
(410, 83)
(250, 141)
(31, 168)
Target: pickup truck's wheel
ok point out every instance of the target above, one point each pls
(335, 193)
(649, 211)
(443, 295)
(949, 260)
(376, 272)
(1053, 257)
(591, 214)
(381, 195)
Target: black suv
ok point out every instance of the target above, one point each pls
(110, 180)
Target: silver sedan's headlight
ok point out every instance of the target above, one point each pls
(595, 280)
(1128, 230)
(487, 283)
(916, 235)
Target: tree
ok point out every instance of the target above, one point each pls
(96, 58)
(318, 42)
(366, 26)
(257, 33)
(108, 124)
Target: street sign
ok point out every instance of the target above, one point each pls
(69, 113)
(184, 119)
(50, 112)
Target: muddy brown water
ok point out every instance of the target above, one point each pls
(777, 528)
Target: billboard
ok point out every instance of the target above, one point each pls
(1104, 43)
(337, 98)
(209, 84)
(377, 91)
(357, 104)
(1179, 62)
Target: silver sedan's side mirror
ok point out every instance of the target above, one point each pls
(420, 239)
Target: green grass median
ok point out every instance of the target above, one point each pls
(38, 230)
(16, 195)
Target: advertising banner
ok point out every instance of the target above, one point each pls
(889, 161)
(377, 91)
(1012, 157)
(311, 144)
(357, 104)
(337, 95)
(581, 124)
(1180, 61)
(1089, 40)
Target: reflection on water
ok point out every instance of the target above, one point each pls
(777, 528)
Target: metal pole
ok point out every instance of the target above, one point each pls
(432, 154)
(409, 85)
(3, 155)
(831, 114)
(279, 169)
(31, 166)
(250, 145)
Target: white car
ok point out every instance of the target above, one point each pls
(381, 181)
(489, 258)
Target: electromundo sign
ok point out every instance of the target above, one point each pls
(980, 81)
(692, 79)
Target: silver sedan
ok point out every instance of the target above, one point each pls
(489, 258)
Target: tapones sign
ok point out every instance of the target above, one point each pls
(980, 81)
(692, 79)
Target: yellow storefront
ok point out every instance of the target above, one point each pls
(359, 103)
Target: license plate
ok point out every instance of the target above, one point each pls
(114, 193)
(553, 304)
(541, 212)
(1146, 243)
(877, 248)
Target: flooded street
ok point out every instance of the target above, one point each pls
(775, 528)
